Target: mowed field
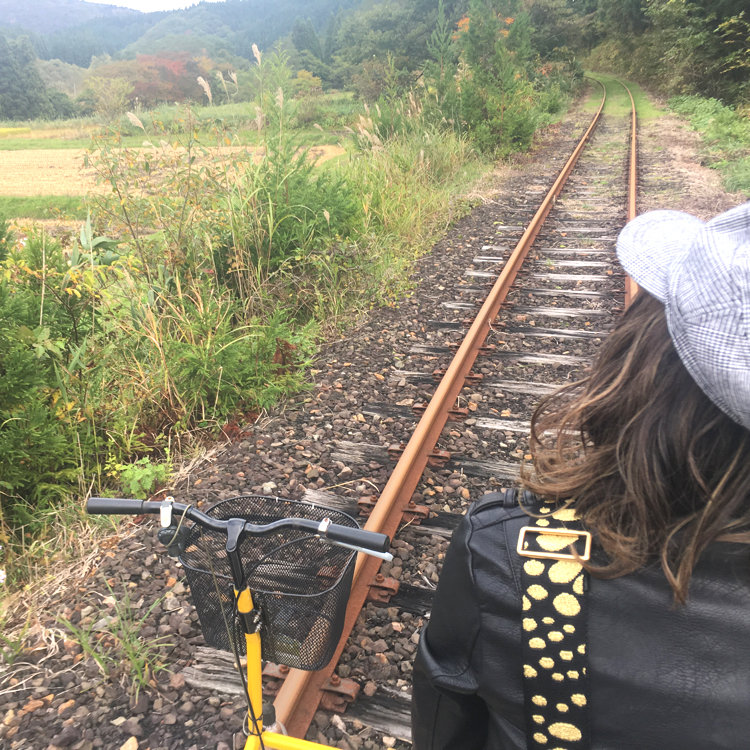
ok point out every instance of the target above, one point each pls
(36, 172)
(39, 171)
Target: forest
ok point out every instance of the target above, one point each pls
(675, 47)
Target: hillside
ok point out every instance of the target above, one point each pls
(50, 16)
(74, 31)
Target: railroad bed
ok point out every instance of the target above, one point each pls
(339, 443)
(347, 438)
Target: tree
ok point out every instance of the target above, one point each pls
(734, 33)
(496, 95)
(622, 17)
(111, 96)
(692, 48)
(308, 53)
(62, 76)
(441, 68)
(307, 84)
(23, 95)
(304, 37)
(562, 25)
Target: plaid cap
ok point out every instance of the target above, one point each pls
(701, 272)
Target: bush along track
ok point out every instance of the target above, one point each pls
(207, 306)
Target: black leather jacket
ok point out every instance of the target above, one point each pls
(661, 676)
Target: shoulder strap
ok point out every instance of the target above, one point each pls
(554, 630)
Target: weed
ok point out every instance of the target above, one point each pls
(13, 646)
(140, 478)
(90, 638)
(111, 637)
(141, 657)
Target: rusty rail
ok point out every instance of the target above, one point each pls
(299, 696)
(631, 288)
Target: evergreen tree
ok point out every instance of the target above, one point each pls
(305, 38)
(441, 67)
(623, 17)
(23, 95)
(496, 95)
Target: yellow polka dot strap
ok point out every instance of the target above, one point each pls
(553, 625)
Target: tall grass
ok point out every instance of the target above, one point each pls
(197, 294)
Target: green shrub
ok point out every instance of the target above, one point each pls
(39, 455)
(6, 238)
(140, 478)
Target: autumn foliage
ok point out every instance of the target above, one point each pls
(164, 77)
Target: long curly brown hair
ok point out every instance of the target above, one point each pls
(652, 466)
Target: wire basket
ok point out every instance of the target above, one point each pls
(299, 583)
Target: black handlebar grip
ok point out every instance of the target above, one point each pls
(359, 538)
(114, 505)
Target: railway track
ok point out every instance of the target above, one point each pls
(350, 442)
(523, 313)
(340, 443)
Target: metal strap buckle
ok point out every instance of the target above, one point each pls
(554, 532)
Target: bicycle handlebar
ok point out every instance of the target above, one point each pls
(368, 541)
(109, 506)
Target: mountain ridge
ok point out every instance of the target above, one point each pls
(50, 16)
(75, 31)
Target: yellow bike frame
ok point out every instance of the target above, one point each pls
(271, 740)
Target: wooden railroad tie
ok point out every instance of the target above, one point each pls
(216, 670)
(412, 513)
(456, 414)
(471, 376)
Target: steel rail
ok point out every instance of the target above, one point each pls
(631, 288)
(299, 695)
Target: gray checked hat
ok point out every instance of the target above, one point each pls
(701, 272)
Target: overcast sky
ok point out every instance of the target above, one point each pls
(149, 5)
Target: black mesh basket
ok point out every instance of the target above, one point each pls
(300, 583)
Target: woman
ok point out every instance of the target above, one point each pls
(651, 452)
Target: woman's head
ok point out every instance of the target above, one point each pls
(653, 464)
(701, 274)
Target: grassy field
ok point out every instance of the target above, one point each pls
(36, 172)
(42, 170)
(317, 120)
(42, 164)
